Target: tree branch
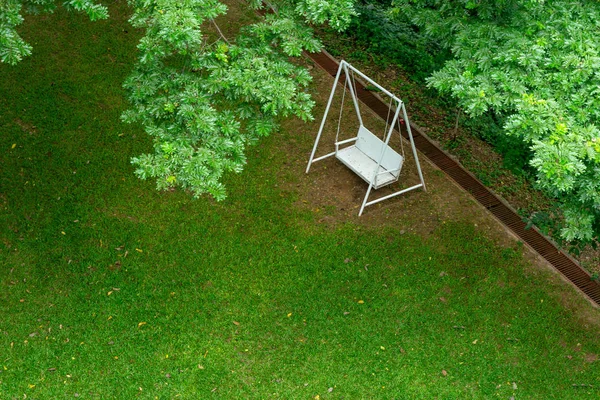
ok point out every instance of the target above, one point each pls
(219, 30)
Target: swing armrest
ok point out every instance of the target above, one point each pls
(389, 171)
(346, 141)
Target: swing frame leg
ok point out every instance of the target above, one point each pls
(364, 203)
(329, 101)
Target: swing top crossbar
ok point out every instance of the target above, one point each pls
(344, 64)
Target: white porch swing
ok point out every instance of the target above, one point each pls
(368, 156)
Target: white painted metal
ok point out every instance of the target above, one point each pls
(369, 157)
(365, 167)
(384, 149)
(350, 81)
(314, 150)
(323, 157)
(377, 150)
(362, 158)
(372, 82)
(414, 148)
(389, 196)
(346, 141)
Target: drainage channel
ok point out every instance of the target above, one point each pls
(568, 267)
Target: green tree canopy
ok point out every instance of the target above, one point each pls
(536, 63)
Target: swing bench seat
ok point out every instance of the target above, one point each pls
(363, 156)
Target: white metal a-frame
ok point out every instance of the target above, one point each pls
(367, 155)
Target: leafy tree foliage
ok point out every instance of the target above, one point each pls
(204, 102)
(394, 39)
(537, 63)
(204, 98)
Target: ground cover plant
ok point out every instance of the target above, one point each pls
(111, 289)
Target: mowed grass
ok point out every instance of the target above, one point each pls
(113, 290)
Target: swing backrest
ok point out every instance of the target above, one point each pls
(372, 146)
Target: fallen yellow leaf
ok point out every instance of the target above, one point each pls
(13, 146)
(139, 250)
(289, 315)
(141, 323)
(361, 302)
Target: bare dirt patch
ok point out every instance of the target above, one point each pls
(27, 127)
(335, 193)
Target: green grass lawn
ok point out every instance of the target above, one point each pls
(111, 289)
